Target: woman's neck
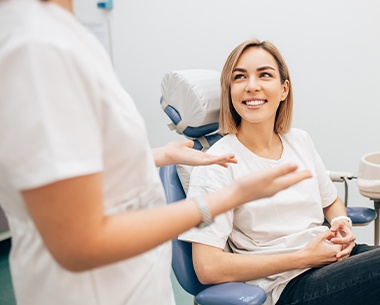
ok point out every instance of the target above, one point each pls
(263, 142)
(66, 4)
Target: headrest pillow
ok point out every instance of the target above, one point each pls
(194, 94)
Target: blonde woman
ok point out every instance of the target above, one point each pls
(278, 243)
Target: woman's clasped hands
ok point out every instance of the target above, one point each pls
(331, 246)
(343, 236)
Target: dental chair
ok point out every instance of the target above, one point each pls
(191, 99)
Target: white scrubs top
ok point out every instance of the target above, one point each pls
(63, 114)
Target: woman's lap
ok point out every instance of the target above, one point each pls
(355, 280)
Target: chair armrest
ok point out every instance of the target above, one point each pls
(232, 293)
(361, 216)
(336, 176)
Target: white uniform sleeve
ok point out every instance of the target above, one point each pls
(206, 180)
(48, 125)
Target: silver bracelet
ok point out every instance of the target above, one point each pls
(203, 209)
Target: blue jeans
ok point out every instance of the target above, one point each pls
(352, 281)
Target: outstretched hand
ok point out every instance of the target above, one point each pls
(183, 153)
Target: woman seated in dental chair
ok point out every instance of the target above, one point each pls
(278, 243)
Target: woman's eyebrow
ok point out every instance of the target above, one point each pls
(265, 68)
(239, 70)
(258, 69)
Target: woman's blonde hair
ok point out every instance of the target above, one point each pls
(229, 120)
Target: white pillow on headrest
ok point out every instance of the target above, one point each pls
(195, 94)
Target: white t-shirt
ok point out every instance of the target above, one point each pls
(283, 223)
(63, 114)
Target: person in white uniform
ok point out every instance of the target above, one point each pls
(271, 241)
(78, 180)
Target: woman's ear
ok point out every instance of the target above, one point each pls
(285, 90)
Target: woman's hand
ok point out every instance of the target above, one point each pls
(321, 251)
(344, 237)
(183, 153)
(341, 228)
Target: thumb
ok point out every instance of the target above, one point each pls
(334, 228)
(189, 143)
(328, 235)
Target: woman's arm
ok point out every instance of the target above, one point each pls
(69, 216)
(335, 209)
(213, 265)
(183, 153)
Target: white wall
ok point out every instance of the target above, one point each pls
(332, 49)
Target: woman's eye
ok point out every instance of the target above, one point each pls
(238, 76)
(265, 74)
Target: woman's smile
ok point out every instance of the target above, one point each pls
(254, 103)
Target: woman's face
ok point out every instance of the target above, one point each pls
(256, 89)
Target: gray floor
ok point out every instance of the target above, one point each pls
(6, 289)
(181, 296)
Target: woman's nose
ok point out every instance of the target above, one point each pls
(252, 86)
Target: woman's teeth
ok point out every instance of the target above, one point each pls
(255, 103)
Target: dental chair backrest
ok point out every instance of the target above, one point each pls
(190, 98)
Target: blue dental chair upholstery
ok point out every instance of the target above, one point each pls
(190, 98)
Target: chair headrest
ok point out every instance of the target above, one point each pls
(191, 99)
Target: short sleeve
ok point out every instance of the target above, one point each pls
(327, 188)
(49, 129)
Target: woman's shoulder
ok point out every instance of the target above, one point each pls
(294, 131)
(299, 139)
(296, 134)
(205, 174)
(224, 145)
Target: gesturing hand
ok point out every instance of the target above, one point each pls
(183, 153)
